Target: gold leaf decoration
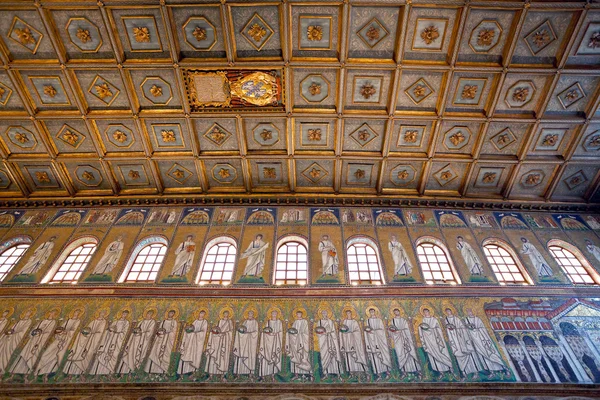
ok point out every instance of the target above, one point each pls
(119, 136)
(485, 37)
(489, 177)
(50, 91)
(430, 34)
(314, 33)
(314, 89)
(469, 92)
(367, 91)
(42, 177)
(83, 35)
(141, 34)
(25, 35)
(199, 33)
(134, 174)
(70, 137)
(103, 90)
(269, 173)
(156, 91)
(88, 176)
(257, 32)
(168, 136)
(314, 135)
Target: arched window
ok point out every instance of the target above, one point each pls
(218, 262)
(505, 263)
(11, 252)
(146, 260)
(573, 263)
(291, 265)
(72, 261)
(363, 262)
(435, 263)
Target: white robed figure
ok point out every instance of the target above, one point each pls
(39, 257)
(434, 345)
(245, 346)
(468, 254)
(329, 347)
(482, 342)
(352, 350)
(461, 344)
(538, 261)
(219, 346)
(185, 256)
(12, 337)
(110, 258)
(85, 345)
(378, 349)
(593, 249)
(401, 335)
(297, 346)
(54, 353)
(271, 342)
(4, 320)
(329, 256)
(39, 336)
(402, 265)
(138, 344)
(164, 340)
(255, 253)
(192, 345)
(107, 354)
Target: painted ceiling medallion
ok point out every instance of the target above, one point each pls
(372, 33)
(5, 93)
(367, 89)
(84, 35)
(445, 175)
(485, 36)
(402, 175)
(532, 178)
(217, 134)
(103, 90)
(488, 177)
(314, 88)
(419, 91)
(539, 38)
(266, 134)
(70, 136)
(469, 91)
(199, 33)
(168, 136)
(142, 33)
(233, 89)
(156, 90)
(575, 180)
(50, 90)
(503, 139)
(411, 135)
(25, 35)
(224, 173)
(430, 34)
(21, 137)
(315, 172)
(550, 139)
(257, 32)
(590, 42)
(571, 95)
(457, 138)
(314, 32)
(42, 176)
(179, 173)
(269, 173)
(519, 94)
(364, 135)
(359, 174)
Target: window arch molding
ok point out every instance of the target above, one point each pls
(137, 249)
(420, 243)
(585, 264)
(9, 261)
(66, 252)
(513, 254)
(354, 266)
(301, 272)
(228, 264)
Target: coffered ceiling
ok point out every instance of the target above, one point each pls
(493, 101)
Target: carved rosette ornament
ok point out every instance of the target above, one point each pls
(224, 173)
(70, 137)
(550, 140)
(485, 37)
(419, 91)
(257, 32)
(430, 34)
(541, 38)
(156, 91)
(520, 94)
(168, 136)
(119, 136)
(88, 176)
(266, 134)
(314, 33)
(363, 135)
(314, 173)
(403, 175)
(217, 135)
(314, 89)
(360, 174)
(594, 141)
(572, 95)
(533, 179)
(133, 174)
(179, 174)
(103, 90)
(372, 33)
(50, 91)
(489, 177)
(199, 33)
(42, 177)
(21, 137)
(25, 35)
(446, 175)
(83, 35)
(314, 135)
(141, 34)
(411, 136)
(594, 41)
(469, 92)
(367, 91)
(457, 138)
(269, 173)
